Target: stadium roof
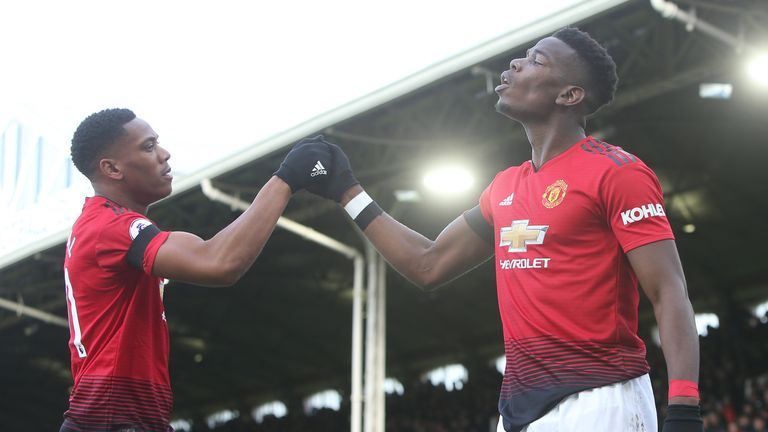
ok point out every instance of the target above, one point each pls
(283, 330)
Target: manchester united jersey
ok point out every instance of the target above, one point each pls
(567, 294)
(119, 336)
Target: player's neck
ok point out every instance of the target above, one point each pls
(120, 198)
(548, 141)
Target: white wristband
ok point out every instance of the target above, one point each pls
(357, 204)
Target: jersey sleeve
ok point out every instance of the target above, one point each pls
(485, 205)
(129, 239)
(634, 206)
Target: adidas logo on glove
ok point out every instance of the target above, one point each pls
(319, 169)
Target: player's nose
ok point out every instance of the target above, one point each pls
(164, 154)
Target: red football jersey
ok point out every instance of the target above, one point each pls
(119, 336)
(567, 294)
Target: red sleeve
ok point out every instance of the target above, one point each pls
(151, 251)
(485, 205)
(119, 235)
(634, 206)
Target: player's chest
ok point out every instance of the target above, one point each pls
(527, 208)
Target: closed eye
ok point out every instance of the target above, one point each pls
(150, 144)
(534, 56)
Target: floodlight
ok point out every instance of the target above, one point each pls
(758, 69)
(448, 179)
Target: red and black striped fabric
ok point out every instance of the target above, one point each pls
(541, 371)
(107, 403)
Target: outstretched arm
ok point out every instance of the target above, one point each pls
(426, 263)
(223, 259)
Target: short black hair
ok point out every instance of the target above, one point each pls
(95, 134)
(600, 66)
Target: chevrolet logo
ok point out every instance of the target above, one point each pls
(520, 235)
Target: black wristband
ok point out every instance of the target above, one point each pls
(683, 418)
(362, 209)
(368, 214)
(479, 225)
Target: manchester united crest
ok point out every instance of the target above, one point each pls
(554, 194)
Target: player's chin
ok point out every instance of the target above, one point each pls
(163, 190)
(504, 108)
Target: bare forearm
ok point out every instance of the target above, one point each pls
(660, 273)
(238, 245)
(405, 249)
(679, 339)
(402, 247)
(424, 262)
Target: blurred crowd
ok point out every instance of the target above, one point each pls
(734, 393)
(734, 374)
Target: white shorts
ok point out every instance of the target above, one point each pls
(621, 407)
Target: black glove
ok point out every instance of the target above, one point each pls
(306, 164)
(683, 418)
(340, 177)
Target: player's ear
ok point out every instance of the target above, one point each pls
(570, 96)
(110, 169)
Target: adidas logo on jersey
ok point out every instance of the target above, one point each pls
(507, 201)
(319, 169)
